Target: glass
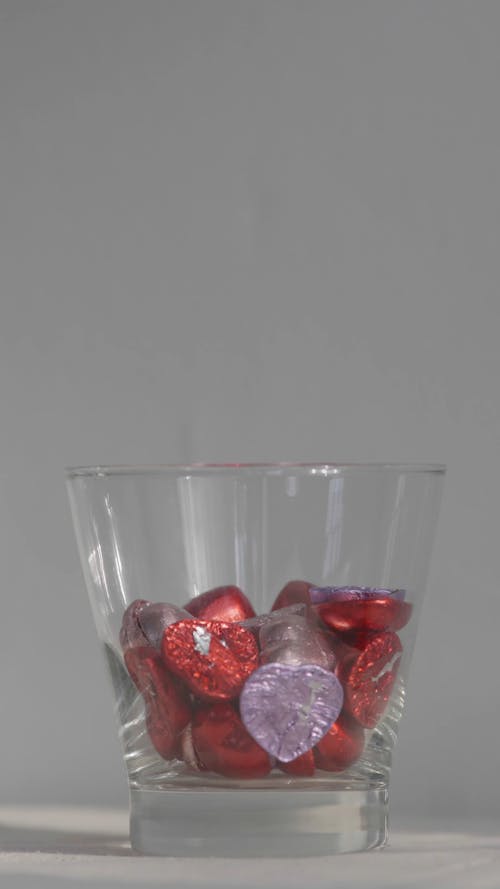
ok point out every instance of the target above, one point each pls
(247, 730)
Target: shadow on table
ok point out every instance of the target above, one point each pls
(62, 842)
(61, 881)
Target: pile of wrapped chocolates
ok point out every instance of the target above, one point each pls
(239, 694)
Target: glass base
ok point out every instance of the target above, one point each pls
(251, 823)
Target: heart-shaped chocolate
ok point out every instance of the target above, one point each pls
(222, 744)
(260, 620)
(372, 613)
(212, 657)
(293, 640)
(342, 745)
(131, 635)
(227, 603)
(319, 594)
(302, 767)
(368, 677)
(289, 709)
(156, 617)
(294, 591)
(144, 623)
(167, 708)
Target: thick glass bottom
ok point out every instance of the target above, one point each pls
(270, 823)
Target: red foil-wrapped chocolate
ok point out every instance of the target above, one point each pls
(212, 657)
(131, 635)
(367, 615)
(357, 639)
(368, 677)
(222, 743)
(294, 591)
(301, 767)
(167, 710)
(226, 603)
(319, 595)
(341, 746)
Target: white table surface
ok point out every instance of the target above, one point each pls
(83, 847)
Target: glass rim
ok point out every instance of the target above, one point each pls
(325, 467)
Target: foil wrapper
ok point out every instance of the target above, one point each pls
(288, 709)
(261, 620)
(155, 618)
(213, 658)
(144, 623)
(319, 595)
(293, 640)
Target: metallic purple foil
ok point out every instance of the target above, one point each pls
(155, 618)
(144, 622)
(293, 640)
(287, 710)
(255, 623)
(351, 593)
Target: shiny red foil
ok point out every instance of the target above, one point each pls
(341, 746)
(226, 603)
(223, 745)
(213, 658)
(167, 709)
(368, 615)
(302, 767)
(358, 638)
(368, 678)
(294, 591)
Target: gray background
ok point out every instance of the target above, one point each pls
(248, 230)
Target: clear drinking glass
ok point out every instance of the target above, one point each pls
(247, 730)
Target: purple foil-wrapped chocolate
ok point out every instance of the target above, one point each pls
(145, 622)
(155, 618)
(287, 710)
(293, 640)
(255, 623)
(319, 595)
